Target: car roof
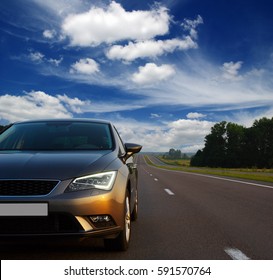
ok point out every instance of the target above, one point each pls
(65, 120)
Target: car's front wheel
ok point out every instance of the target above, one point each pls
(121, 243)
(135, 209)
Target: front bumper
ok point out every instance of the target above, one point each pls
(71, 213)
(55, 224)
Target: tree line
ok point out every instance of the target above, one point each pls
(232, 145)
(175, 154)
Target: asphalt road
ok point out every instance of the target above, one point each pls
(181, 216)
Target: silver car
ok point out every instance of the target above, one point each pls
(67, 177)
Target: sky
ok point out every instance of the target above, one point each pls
(164, 72)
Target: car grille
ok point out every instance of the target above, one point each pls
(26, 187)
(54, 223)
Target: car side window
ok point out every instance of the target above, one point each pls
(120, 144)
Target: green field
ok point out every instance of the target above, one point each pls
(264, 175)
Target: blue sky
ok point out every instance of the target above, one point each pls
(164, 72)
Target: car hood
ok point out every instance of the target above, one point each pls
(52, 165)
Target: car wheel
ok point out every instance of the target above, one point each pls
(121, 243)
(135, 210)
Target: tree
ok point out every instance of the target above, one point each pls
(185, 156)
(232, 145)
(263, 142)
(215, 146)
(174, 154)
(197, 159)
(213, 154)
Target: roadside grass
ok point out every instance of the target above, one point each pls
(177, 162)
(264, 175)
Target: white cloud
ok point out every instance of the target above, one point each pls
(195, 82)
(192, 148)
(38, 104)
(49, 34)
(151, 74)
(55, 62)
(198, 83)
(62, 8)
(247, 118)
(36, 57)
(154, 116)
(85, 66)
(183, 134)
(113, 23)
(74, 105)
(109, 107)
(187, 135)
(195, 115)
(231, 69)
(149, 49)
(31, 105)
(191, 25)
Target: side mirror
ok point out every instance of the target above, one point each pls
(131, 149)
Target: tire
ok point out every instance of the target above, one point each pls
(121, 243)
(134, 215)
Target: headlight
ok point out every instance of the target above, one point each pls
(102, 181)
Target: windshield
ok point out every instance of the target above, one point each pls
(56, 136)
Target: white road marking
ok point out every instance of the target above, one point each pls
(156, 179)
(236, 254)
(237, 181)
(169, 192)
(220, 178)
(146, 170)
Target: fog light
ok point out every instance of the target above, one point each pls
(98, 219)
(102, 221)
